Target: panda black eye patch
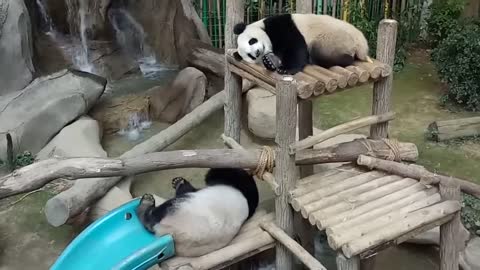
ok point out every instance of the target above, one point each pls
(252, 41)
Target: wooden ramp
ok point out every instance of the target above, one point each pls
(364, 211)
(251, 240)
(313, 80)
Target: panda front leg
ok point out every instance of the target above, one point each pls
(293, 62)
(182, 186)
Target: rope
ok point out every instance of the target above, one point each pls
(395, 147)
(368, 146)
(265, 162)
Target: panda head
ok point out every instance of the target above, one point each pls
(252, 42)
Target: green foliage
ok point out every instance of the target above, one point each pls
(471, 214)
(457, 60)
(443, 19)
(24, 159)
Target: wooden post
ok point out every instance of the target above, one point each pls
(382, 89)
(449, 190)
(233, 82)
(304, 6)
(285, 169)
(347, 264)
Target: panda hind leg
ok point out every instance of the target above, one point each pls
(182, 186)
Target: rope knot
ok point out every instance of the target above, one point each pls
(265, 162)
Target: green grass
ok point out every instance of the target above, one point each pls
(416, 100)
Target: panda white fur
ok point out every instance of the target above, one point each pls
(203, 220)
(300, 39)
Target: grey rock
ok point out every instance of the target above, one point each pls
(16, 48)
(469, 258)
(38, 112)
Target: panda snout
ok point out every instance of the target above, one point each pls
(257, 54)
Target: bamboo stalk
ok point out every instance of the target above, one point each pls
(341, 129)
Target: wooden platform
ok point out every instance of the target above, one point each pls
(251, 240)
(314, 80)
(363, 211)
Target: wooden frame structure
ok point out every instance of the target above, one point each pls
(299, 89)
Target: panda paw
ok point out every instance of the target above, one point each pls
(268, 63)
(147, 199)
(177, 182)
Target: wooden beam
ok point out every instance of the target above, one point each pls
(341, 129)
(233, 82)
(382, 89)
(285, 169)
(449, 253)
(347, 264)
(417, 172)
(304, 6)
(305, 257)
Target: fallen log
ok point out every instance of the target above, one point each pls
(456, 128)
(417, 172)
(349, 151)
(207, 58)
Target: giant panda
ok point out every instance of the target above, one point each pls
(202, 220)
(300, 39)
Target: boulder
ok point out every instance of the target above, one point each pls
(170, 25)
(38, 112)
(469, 259)
(16, 48)
(86, 134)
(170, 103)
(261, 113)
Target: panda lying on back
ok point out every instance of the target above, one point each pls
(203, 220)
(300, 39)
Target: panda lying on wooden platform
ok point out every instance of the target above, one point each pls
(300, 39)
(203, 220)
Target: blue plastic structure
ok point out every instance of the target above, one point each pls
(116, 241)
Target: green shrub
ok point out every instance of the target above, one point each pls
(443, 19)
(471, 214)
(457, 60)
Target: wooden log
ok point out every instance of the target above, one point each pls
(352, 78)
(363, 75)
(233, 82)
(319, 181)
(375, 71)
(341, 129)
(357, 220)
(456, 128)
(206, 58)
(224, 257)
(449, 253)
(348, 151)
(305, 257)
(267, 176)
(74, 200)
(309, 209)
(251, 78)
(304, 88)
(285, 169)
(44, 171)
(330, 83)
(341, 79)
(416, 172)
(421, 219)
(297, 202)
(305, 232)
(382, 89)
(347, 264)
(381, 190)
(337, 240)
(386, 69)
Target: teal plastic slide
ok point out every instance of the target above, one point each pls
(116, 241)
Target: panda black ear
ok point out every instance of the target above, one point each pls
(237, 56)
(239, 28)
